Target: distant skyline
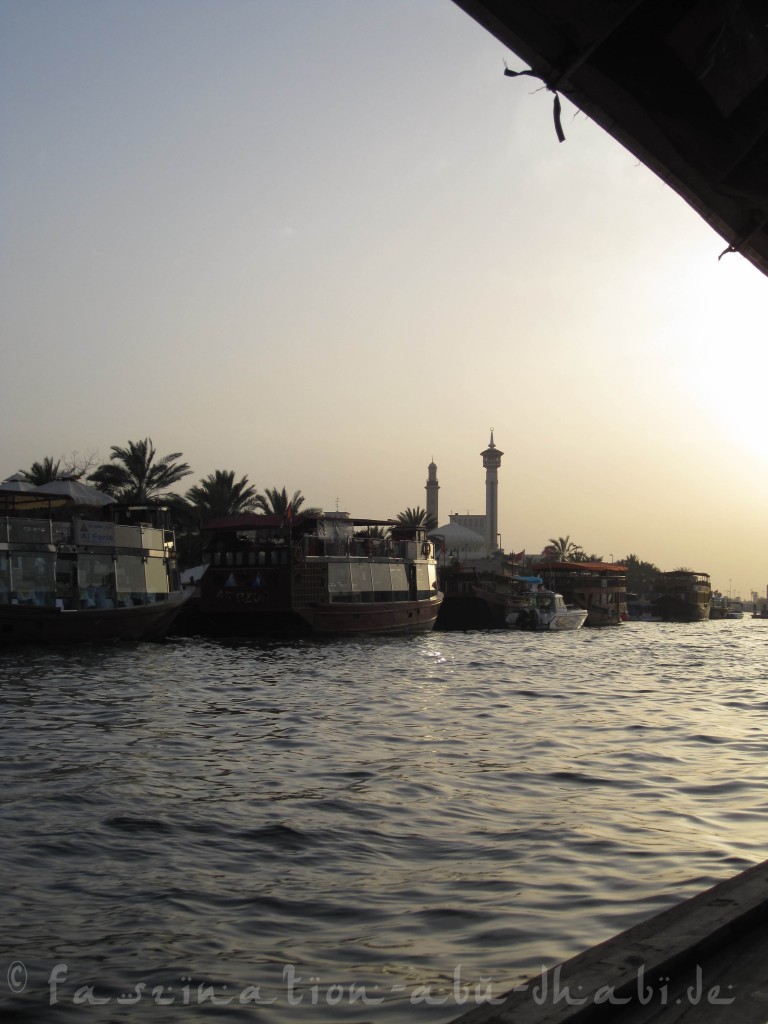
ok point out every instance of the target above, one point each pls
(323, 244)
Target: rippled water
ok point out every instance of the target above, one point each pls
(362, 827)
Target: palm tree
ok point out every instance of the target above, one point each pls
(136, 474)
(561, 549)
(373, 531)
(580, 555)
(416, 517)
(43, 472)
(641, 576)
(277, 503)
(218, 495)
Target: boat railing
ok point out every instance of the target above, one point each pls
(353, 547)
(85, 533)
(26, 531)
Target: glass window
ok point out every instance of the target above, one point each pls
(339, 583)
(362, 588)
(157, 577)
(382, 582)
(32, 578)
(131, 584)
(5, 579)
(96, 580)
(422, 581)
(399, 582)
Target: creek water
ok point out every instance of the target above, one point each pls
(381, 829)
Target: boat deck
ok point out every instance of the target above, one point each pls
(703, 961)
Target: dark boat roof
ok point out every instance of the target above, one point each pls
(584, 566)
(682, 84)
(252, 521)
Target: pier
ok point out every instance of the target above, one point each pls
(703, 961)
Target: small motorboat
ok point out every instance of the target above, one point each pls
(547, 610)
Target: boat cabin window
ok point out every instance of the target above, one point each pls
(157, 578)
(424, 581)
(28, 579)
(239, 559)
(96, 581)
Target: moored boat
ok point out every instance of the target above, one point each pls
(66, 576)
(479, 596)
(598, 587)
(546, 610)
(639, 609)
(682, 596)
(325, 574)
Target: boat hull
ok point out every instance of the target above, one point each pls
(30, 624)
(669, 609)
(323, 619)
(570, 618)
(386, 617)
(573, 619)
(477, 609)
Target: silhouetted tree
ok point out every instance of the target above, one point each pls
(416, 517)
(43, 472)
(560, 549)
(641, 576)
(277, 503)
(220, 495)
(579, 555)
(52, 469)
(136, 474)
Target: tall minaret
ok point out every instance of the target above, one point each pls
(432, 488)
(491, 461)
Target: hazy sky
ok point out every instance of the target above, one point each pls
(322, 243)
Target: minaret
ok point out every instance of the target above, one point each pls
(432, 488)
(491, 461)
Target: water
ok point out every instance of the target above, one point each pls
(361, 830)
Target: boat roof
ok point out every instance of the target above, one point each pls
(685, 572)
(252, 521)
(583, 566)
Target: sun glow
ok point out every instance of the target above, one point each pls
(719, 354)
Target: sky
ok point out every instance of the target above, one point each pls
(322, 244)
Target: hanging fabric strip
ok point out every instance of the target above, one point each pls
(557, 108)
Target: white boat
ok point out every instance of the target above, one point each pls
(547, 610)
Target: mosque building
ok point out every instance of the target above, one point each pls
(485, 528)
